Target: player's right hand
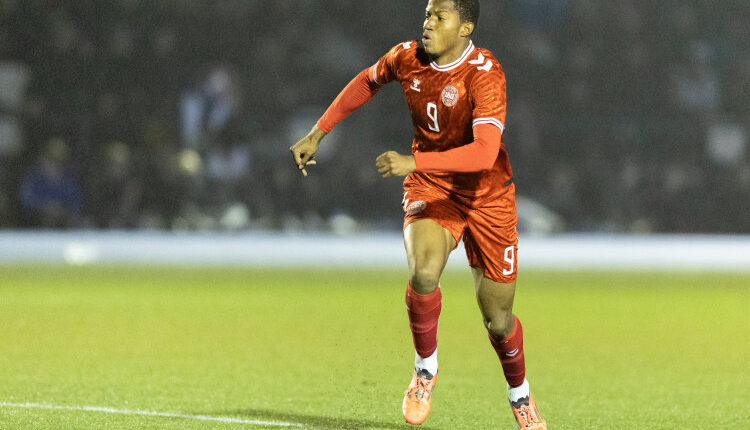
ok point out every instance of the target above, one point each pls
(304, 150)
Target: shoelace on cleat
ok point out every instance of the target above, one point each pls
(420, 389)
(528, 416)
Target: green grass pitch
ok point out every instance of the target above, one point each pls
(331, 349)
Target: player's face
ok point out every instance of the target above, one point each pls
(442, 28)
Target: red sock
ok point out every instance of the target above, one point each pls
(424, 311)
(510, 353)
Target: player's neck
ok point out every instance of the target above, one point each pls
(454, 53)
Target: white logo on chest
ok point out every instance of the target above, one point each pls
(450, 96)
(415, 85)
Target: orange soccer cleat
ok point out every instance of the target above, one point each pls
(527, 415)
(417, 397)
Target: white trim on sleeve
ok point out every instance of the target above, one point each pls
(375, 73)
(492, 121)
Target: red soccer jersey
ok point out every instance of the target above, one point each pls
(446, 102)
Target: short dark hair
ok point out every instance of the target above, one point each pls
(468, 10)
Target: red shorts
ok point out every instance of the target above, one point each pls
(488, 231)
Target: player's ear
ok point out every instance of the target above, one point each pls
(466, 29)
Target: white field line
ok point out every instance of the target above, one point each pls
(149, 413)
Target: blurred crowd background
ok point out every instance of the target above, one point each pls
(627, 116)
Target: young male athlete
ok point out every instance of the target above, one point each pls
(458, 185)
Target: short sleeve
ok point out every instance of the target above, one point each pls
(386, 69)
(489, 98)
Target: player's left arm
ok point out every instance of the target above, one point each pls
(391, 163)
(477, 156)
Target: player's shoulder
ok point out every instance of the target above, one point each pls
(406, 46)
(487, 70)
(486, 61)
(409, 51)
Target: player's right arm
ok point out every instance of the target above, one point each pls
(358, 92)
(304, 150)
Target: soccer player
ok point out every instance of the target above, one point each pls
(458, 185)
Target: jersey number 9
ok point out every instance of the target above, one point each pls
(432, 113)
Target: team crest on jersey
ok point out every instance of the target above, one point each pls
(450, 96)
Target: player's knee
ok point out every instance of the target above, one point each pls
(499, 325)
(424, 280)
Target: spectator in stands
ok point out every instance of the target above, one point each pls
(207, 107)
(50, 194)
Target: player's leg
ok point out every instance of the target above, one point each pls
(433, 225)
(495, 301)
(490, 242)
(428, 245)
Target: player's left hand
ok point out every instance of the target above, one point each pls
(391, 163)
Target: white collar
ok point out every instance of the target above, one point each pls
(453, 65)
